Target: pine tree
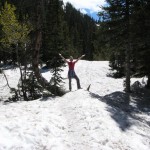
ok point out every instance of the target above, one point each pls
(81, 32)
(13, 32)
(56, 79)
(54, 41)
(116, 25)
(15, 38)
(141, 35)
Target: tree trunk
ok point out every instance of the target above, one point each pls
(37, 41)
(21, 75)
(148, 82)
(128, 48)
(128, 69)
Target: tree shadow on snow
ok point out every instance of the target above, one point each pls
(124, 107)
(118, 106)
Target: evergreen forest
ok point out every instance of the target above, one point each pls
(33, 33)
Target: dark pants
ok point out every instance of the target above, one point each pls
(71, 74)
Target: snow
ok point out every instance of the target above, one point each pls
(79, 120)
(13, 76)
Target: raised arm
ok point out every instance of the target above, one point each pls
(63, 58)
(80, 58)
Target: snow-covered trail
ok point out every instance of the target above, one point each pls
(95, 73)
(75, 121)
(85, 124)
(79, 120)
(90, 125)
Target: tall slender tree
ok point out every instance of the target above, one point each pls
(116, 25)
(141, 35)
(128, 44)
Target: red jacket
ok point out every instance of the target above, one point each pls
(71, 65)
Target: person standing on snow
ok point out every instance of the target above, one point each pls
(71, 72)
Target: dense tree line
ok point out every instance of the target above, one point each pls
(82, 30)
(124, 37)
(34, 32)
(64, 29)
